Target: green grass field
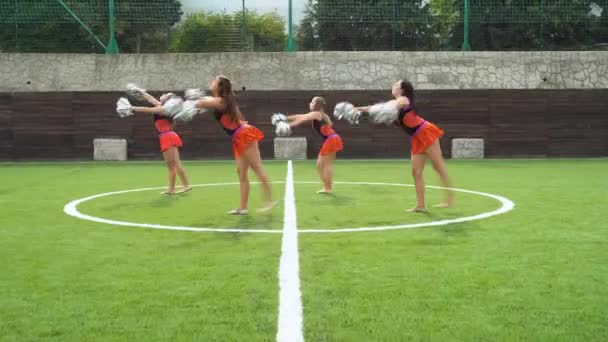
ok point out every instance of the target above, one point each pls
(537, 273)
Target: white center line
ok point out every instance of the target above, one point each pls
(290, 298)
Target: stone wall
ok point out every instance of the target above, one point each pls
(306, 70)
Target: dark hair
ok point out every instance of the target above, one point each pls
(407, 90)
(225, 92)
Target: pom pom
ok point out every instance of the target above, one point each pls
(341, 108)
(282, 129)
(135, 92)
(193, 94)
(173, 106)
(166, 97)
(346, 111)
(123, 108)
(384, 113)
(187, 112)
(278, 117)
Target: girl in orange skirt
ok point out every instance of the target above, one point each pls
(332, 143)
(170, 142)
(244, 137)
(424, 138)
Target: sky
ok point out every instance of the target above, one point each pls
(280, 6)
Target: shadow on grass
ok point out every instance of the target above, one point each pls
(451, 234)
(337, 200)
(244, 222)
(164, 201)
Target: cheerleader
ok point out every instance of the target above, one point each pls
(245, 140)
(332, 143)
(170, 142)
(424, 138)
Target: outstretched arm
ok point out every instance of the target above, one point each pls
(298, 119)
(210, 102)
(151, 100)
(150, 110)
(295, 117)
(402, 102)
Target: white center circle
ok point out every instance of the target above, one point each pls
(506, 205)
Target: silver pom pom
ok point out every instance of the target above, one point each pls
(384, 113)
(193, 94)
(187, 112)
(348, 112)
(278, 117)
(341, 108)
(123, 108)
(135, 92)
(173, 105)
(282, 129)
(166, 97)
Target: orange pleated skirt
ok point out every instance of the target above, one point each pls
(333, 143)
(243, 137)
(169, 139)
(424, 137)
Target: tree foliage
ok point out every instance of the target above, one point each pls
(45, 26)
(438, 24)
(212, 32)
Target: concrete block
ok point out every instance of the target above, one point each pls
(290, 148)
(110, 149)
(467, 148)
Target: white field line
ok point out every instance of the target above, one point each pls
(506, 206)
(290, 298)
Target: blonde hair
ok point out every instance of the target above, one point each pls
(319, 102)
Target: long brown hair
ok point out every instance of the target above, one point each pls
(225, 92)
(320, 104)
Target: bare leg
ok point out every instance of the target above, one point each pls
(252, 155)
(329, 170)
(181, 173)
(325, 167)
(243, 172)
(434, 153)
(418, 161)
(320, 171)
(169, 156)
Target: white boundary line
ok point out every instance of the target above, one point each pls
(506, 205)
(149, 162)
(202, 161)
(290, 298)
(72, 210)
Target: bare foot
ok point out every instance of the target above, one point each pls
(238, 211)
(185, 189)
(418, 210)
(267, 207)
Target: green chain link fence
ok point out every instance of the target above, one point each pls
(160, 26)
